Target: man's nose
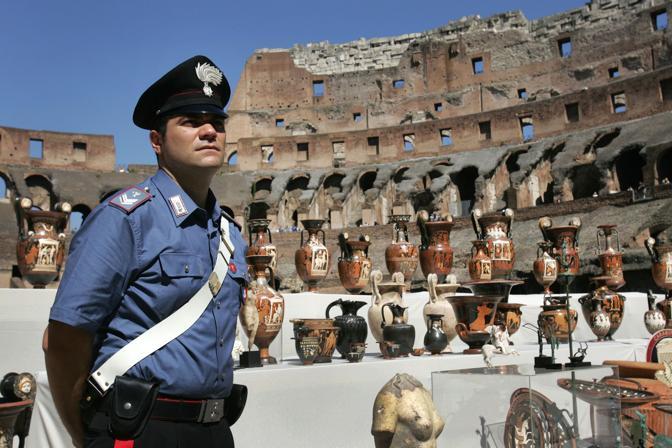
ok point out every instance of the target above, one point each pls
(208, 132)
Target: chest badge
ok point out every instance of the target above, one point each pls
(178, 206)
(232, 267)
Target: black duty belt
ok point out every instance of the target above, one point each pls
(174, 409)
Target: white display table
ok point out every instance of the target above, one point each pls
(326, 405)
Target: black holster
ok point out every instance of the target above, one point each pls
(235, 403)
(128, 404)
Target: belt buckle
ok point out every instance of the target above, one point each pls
(212, 411)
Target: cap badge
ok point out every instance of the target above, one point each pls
(209, 75)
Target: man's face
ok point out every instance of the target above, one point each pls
(191, 142)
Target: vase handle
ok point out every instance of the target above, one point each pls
(270, 269)
(331, 305)
(376, 278)
(432, 280)
(382, 312)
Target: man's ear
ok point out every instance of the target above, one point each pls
(156, 140)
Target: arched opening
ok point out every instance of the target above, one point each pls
(423, 201)
(512, 161)
(465, 180)
(77, 216)
(629, 165)
(664, 167)
(547, 197)
(258, 210)
(333, 183)
(233, 159)
(366, 180)
(40, 191)
(107, 195)
(299, 182)
(5, 188)
(399, 175)
(586, 180)
(262, 188)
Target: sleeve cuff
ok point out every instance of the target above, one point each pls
(72, 318)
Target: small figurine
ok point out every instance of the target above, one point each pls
(499, 343)
(238, 347)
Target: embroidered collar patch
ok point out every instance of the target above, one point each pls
(130, 199)
(178, 206)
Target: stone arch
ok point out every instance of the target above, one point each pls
(261, 188)
(586, 180)
(399, 175)
(629, 168)
(367, 180)
(465, 180)
(232, 160)
(77, 216)
(664, 166)
(512, 161)
(298, 182)
(258, 210)
(108, 194)
(40, 190)
(333, 182)
(6, 187)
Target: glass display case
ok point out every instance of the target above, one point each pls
(515, 406)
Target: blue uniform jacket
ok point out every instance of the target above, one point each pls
(135, 260)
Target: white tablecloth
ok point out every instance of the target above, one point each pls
(327, 405)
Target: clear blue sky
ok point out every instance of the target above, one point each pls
(79, 66)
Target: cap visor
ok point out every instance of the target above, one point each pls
(195, 109)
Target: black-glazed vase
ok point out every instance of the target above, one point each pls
(353, 327)
(398, 332)
(435, 339)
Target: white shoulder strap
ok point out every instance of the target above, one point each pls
(172, 326)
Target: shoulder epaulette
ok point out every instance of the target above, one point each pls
(130, 199)
(228, 213)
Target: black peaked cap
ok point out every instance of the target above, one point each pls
(196, 85)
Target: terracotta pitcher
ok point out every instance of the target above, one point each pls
(480, 265)
(495, 230)
(610, 302)
(565, 240)
(382, 293)
(41, 243)
(263, 327)
(610, 255)
(354, 265)
(261, 242)
(436, 255)
(545, 267)
(401, 255)
(438, 304)
(312, 258)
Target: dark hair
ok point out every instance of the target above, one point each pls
(161, 124)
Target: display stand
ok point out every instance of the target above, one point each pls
(527, 407)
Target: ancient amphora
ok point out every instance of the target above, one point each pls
(610, 255)
(480, 265)
(41, 243)
(401, 255)
(610, 302)
(270, 307)
(353, 327)
(397, 331)
(545, 267)
(261, 242)
(565, 240)
(661, 264)
(436, 255)
(312, 258)
(554, 322)
(382, 293)
(495, 230)
(654, 319)
(354, 265)
(438, 304)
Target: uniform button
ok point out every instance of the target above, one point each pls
(186, 269)
(221, 342)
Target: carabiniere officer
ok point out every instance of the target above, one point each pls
(141, 255)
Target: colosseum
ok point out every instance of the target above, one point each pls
(567, 115)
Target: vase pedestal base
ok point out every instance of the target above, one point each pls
(250, 359)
